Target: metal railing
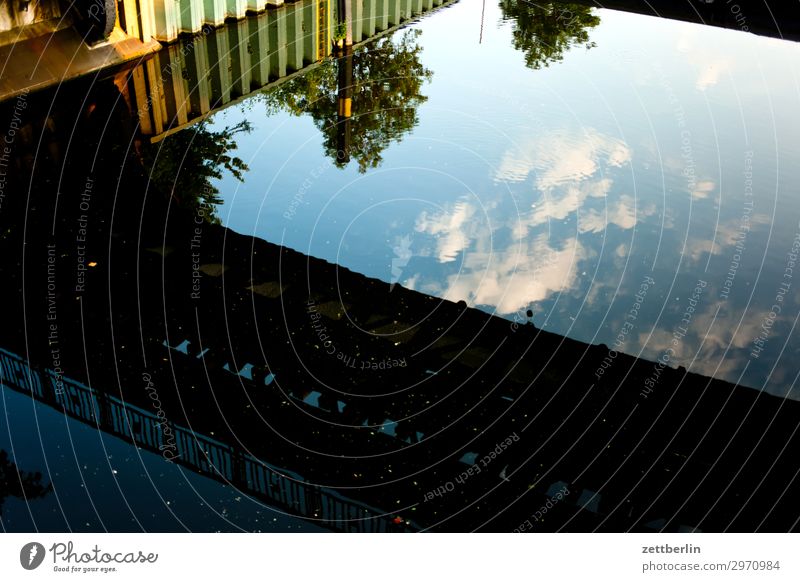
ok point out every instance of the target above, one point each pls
(281, 488)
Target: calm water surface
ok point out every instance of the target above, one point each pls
(613, 178)
(656, 158)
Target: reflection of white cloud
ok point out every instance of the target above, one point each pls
(685, 43)
(599, 188)
(724, 332)
(709, 60)
(568, 169)
(621, 213)
(678, 167)
(620, 155)
(450, 228)
(514, 168)
(567, 166)
(561, 158)
(710, 73)
(556, 207)
(729, 233)
(513, 278)
(726, 236)
(696, 248)
(703, 189)
(713, 346)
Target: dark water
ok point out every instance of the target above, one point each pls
(505, 251)
(105, 484)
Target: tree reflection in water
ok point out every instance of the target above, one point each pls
(544, 31)
(17, 483)
(182, 165)
(382, 81)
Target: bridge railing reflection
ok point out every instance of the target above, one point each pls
(280, 488)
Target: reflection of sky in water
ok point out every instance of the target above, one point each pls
(560, 190)
(103, 483)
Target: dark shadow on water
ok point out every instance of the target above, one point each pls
(15, 482)
(775, 19)
(183, 165)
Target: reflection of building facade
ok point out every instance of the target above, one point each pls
(268, 40)
(188, 80)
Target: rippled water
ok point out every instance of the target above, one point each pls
(656, 152)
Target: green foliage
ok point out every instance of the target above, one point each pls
(340, 32)
(544, 31)
(183, 165)
(386, 93)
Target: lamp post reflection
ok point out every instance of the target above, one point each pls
(344, 103)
